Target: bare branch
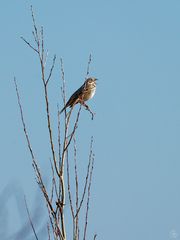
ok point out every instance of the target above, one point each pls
(49, 121)
(51, 70)
(56, 229)
(35, 166)
(55, 199)
(77, 189)
(41, 58)
(74, 129)
(22, 120)
(35, 32)
(30, 45)
(67, 121)
(43, 188)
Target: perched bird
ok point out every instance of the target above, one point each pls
(84, 93)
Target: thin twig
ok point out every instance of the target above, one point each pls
(45, 58)
(42, 44)
(23, 121)
(35, 166)
(50, 129)
(35, 33)
(54, 185)
(51, 70)
(67, 121)
(56, 229)
(48, 230)
(88, 198)
(69, 187)
(63, 88)
(88, 66)
(77, 188)
(95, 236)
(59, 137)
(87, 177)
(29, 45)
(43, 188)
(74, 129)
(30, 220)
(59, 155)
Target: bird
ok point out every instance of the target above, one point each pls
(84, 93)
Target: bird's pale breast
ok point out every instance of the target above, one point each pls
(89, 94)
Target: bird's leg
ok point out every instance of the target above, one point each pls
(87, 108)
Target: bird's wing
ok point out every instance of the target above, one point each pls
(73, 98)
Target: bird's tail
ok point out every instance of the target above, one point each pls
(62, 110)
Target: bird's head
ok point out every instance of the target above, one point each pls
(91, 81)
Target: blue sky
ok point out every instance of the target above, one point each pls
(135, 47)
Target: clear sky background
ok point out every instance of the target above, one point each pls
(135, 47)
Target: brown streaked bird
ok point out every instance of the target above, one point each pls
(84, 93)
